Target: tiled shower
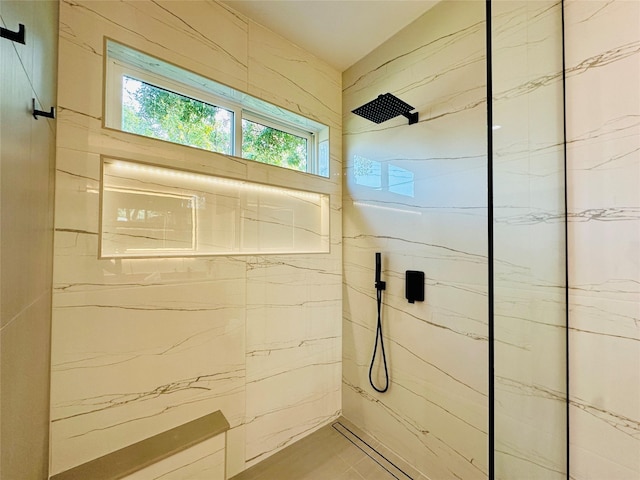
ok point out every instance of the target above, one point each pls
(281, 344)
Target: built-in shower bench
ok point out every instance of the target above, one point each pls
(153, 456)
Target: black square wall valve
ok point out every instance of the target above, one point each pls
(414, 290)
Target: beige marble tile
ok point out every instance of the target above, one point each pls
(171, 31)
(195, 313)
(529, 236)
(293, 350)
(291, 77)
(603, 162)
(154, 370)
(417, 194)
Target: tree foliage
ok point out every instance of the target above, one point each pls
(275, 147)
(158, 113)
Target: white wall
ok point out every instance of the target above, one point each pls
(143, 345)
(27, 156)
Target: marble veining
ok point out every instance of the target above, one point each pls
(603, 157)
(142, 345)
(421, 52)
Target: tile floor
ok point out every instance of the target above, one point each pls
(338, 451)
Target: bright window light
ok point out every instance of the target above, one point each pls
(149, 97)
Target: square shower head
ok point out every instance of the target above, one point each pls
(384, 108)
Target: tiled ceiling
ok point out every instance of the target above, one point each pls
(340, 32)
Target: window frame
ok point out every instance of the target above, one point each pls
(117, 68)
(268, 122)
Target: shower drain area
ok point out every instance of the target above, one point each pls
(339, 450)
(391, 468)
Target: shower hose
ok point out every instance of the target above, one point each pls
(375, 348)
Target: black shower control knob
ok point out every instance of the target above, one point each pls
(414, 288)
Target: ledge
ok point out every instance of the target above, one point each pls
(139, 455)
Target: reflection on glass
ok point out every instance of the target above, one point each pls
(151, 221)
(383, 176)
(400, 181)
(323, 158)
(530, 385)
(367, 172)
(408, 211)
(150, 211)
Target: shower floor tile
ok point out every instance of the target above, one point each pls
(338, 451)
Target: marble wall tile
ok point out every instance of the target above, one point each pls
(142, 345)
(165, 352)
(603, 140)
(529, 293)
(418, 194)
(293, 350)
(173, 31)
(296, 80)
(288, 76)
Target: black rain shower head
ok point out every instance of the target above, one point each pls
(386, 107)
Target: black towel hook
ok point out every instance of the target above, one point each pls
(40, 113)
(17, 37)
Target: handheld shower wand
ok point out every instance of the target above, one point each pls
(380, 286)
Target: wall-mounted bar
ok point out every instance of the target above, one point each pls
(40, 113)
(17, 37)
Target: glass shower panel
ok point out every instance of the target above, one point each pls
(529, 241)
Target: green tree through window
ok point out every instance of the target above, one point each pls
(158, 113)
(275, 147)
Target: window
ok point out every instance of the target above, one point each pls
(265, 142)
(155, 112)
(149, 97)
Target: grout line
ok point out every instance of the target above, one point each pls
(389, 463)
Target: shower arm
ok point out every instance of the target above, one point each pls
(413, 117)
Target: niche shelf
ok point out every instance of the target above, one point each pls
(152, 211)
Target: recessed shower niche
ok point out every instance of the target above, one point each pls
(152, 211)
